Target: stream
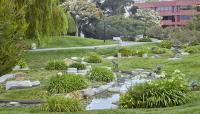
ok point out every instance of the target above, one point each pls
(110, 98)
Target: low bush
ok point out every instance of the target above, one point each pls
(157, 50)
(126, 52)
(155, 94)
(56, 65)
(62, 104)
(101, 74)
(94, 58)
(66, 83)
(166, 44)
(22, 63)
(141, 52)
(145, 39)
(191, 49)
(79, 66)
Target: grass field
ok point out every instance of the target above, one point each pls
(190, 65)
(70, 41)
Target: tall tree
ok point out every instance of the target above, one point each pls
(12, 29)
(82, 11)
(149, 18)
(45, 18)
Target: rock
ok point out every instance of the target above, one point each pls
(69, 61)
(18, 84)
(74, 58)
(35, 83)
(27, 68)
(21, 84)
(110, 58)
(72, 70)
(82, 72)
(17, 67)
(139, 69)
(109, 68)
(114, 89)
(33, 46)
(14, 103)
(155, 56)
(88, 92)
(88, 67)
(145, 55)
(83, 62)
(119, 55)
(173, 59)
(6, 77)
(185, 53)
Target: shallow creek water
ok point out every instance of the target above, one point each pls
(109, 100)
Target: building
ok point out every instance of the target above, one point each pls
(174, 12)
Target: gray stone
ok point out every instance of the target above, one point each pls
(185, 53)
(17, 67)
(18, 84)
(110, 58)
(119, 55)
(173, 59)
(35, 83)
(6, 77)
(114, 89)
(139, 69)
(69, 61)
(33, 46)
(82, 72)
(72, 70)
(21, 84)
(88, 92)
(145, 55)
(74, 58)
(14, 103)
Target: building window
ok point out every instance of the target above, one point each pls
(162, 9)
(185, 17)
(186, 8)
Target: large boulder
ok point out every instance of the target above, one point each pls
(21, 84)
(69, 61)
(6, 77)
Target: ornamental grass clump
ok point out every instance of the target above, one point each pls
(156, 94)
(79, 66)
(62, 104)
(101, 74)
(56, 65)
(94, 58)
(66, 83)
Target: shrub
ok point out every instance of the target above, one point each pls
(141, 52)
(191, 49)
(94, 58)
(157, 50)
(66, 83)
(145, 39)
(155, 94)
(56, 65)
(62, 104)
(166, 44)
(22, 63)
(126, 52)
(159, 93)
(101, 74)
(79, 66)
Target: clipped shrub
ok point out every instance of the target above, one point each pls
(157, 50)
(56, 65)
(166, 44)
(62, 104)
(155, 94)
(101, 74)
(126, 52)
(79, 66)
(94, 58)
(66, 83)
(191, 49)
(145, 39)
(22, 63)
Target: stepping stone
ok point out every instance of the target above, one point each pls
(21, 84)
(6, 77)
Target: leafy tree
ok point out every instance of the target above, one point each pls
(82, 11)
(195, 23)
(115, 7)
(114, 26)
(45, 18)
(12, 28)
(71, 25)
(149, 18)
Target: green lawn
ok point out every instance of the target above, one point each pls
(70, 41)
(190, 65)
